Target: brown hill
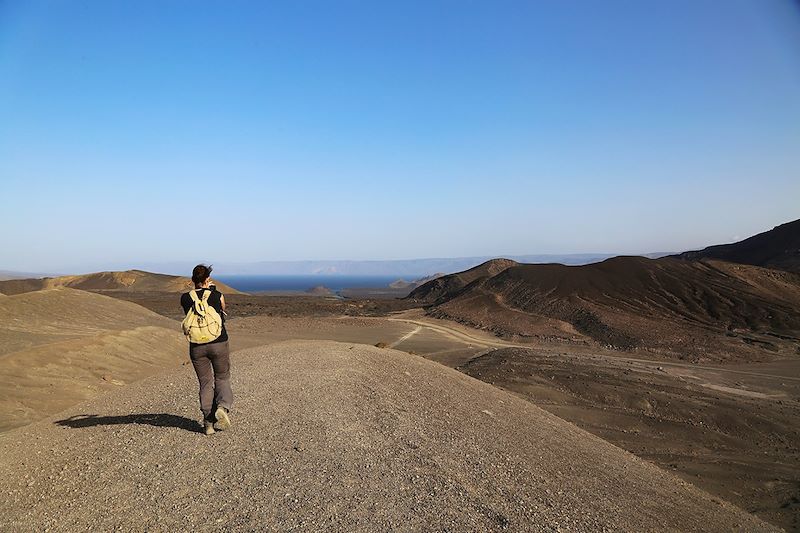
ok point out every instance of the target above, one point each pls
(777, 248)
(410, 285)
(667, 304)
(128, 281)
(61, 346)
(445, 287)
(337, 437)
(319, 290)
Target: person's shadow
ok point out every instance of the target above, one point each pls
(150, 419)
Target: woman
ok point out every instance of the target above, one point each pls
(211, 361)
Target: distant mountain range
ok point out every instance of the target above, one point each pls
(13, 274)
(777, 248)
(402, 268)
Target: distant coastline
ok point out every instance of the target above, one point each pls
(302, 283)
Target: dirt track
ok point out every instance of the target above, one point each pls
(475, 338)
(335, 436)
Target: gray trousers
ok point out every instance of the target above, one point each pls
(212, 363)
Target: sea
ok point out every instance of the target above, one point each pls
(336, 283)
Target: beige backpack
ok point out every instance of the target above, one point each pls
(202, 323)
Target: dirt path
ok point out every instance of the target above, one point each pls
(336, 437)
(485, 341)
(406, 336)
(456, 334)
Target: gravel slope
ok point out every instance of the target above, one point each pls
(336, 437)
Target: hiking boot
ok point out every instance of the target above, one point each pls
(223, 420)
(208, 427)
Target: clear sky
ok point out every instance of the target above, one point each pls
(238, 131)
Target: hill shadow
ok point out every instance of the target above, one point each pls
(150, 419)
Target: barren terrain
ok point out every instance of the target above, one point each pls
(61, 346)
(733, 434)
(696, 311)
(337, 436)
(729, 427)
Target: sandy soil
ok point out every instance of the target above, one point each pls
(259, 330)
(62, 346)
(342, 437)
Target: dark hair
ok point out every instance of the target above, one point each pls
(201, 273)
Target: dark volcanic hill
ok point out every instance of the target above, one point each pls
(777, 248)
(679, 307)
(445, 287)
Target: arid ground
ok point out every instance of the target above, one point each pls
(337, 437)
(731, 429)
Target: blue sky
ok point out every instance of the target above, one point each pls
(377, 130)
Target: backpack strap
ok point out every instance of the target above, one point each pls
(199, 305)
(207, 295)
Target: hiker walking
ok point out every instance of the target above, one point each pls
(204, 327)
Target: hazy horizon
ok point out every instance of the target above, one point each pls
(170, 265)
(381, 132)
(414, 267)
(408, 269)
